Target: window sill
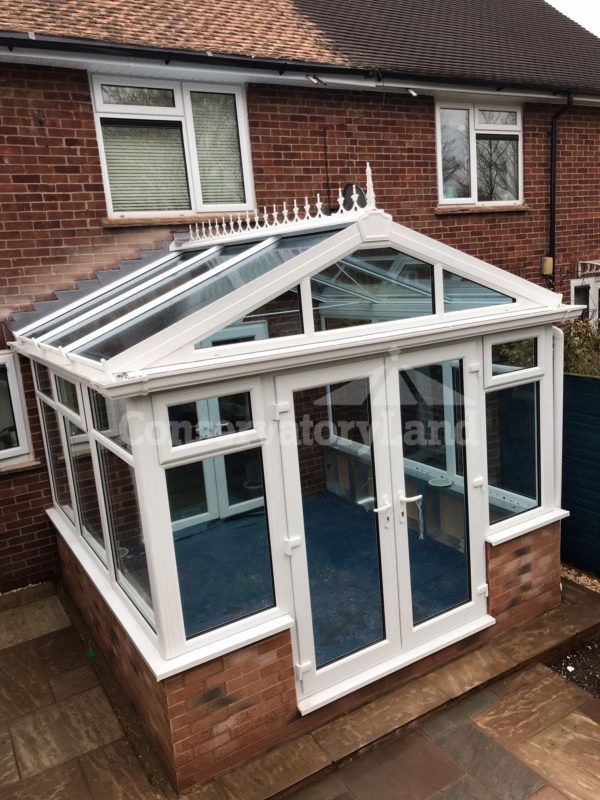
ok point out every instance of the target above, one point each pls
(166, 221)
(474, 209)
(521, 528)
(19, 466)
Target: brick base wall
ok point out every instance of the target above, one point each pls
(217, 715)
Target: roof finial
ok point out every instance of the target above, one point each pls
(370, 189)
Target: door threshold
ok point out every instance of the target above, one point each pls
(341, 689)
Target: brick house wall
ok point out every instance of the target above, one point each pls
(217, 715)
(53, 207)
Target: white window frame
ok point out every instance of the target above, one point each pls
(23, 449)
(182, 113)
(474, 129)
(593, 281)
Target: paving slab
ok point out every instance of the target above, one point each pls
(518, 680)
(328, 788)
(114, 772)
(521, 714)
(62, 783)
(380, 717)
(539, 635)
(48, 737)
(32, 620)
(24, 685)
(60, 651)
(411, 768)
(458, 713)
(567, 754)
(285, 765)
(20, 597)
(548, 793)
(473, 669)
(8, 764)
(467, 788)
(73, 681)
(491, 765)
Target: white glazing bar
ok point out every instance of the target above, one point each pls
(93, 295)
(138, 312)
(128, 293)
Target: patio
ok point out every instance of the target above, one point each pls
(518, 731)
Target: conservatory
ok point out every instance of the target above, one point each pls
(302, 422)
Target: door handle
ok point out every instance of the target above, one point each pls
(414, 499)
(385, 507)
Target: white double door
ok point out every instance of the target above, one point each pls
(385, 507)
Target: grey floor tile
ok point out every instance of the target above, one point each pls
(496, 769)
(461, 711)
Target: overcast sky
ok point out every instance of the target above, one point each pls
(585, 12)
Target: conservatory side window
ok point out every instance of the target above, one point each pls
(56, 458)
(14, 432)
(479, 154)
(172, 146)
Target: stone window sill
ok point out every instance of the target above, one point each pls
(473, 209)
(19, 466)
(166, 221)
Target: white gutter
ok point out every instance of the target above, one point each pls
(180, 71)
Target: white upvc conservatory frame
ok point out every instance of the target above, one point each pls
(155, 373)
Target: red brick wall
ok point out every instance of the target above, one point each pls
(219, 714)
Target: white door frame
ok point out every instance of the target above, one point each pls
(309, 679)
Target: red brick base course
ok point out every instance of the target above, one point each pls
(215, 716)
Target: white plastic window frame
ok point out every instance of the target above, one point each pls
(153, 474)
(543, 376)
(593, 281)
(181, 113)
(22, 450)
(474, 128)
(103, 559)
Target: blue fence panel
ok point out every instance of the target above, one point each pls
(581, 473)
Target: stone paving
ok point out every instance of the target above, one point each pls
(474, 729)
(60, 738)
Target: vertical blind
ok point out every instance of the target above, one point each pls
(218, 147)
(146, 165)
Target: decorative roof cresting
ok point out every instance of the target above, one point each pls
(289, 216)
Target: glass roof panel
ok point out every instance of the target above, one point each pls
(135, 280)
(144, 296)
(460, 294)
(199, 296)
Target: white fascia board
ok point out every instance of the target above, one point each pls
(152, 68)
(313, 352)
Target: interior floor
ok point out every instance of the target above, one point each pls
(344, 574)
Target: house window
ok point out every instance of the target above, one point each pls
(479, 154)
(171, 146)
(14, 439)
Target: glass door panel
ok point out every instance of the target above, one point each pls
(432, 417)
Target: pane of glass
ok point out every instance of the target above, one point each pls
(146, 165)
(201, 295)
(132, 283)
(279, 317)
(433, 435)
(461, 294)
(137, 96)
(8, 429)
(372, 286)
(223, 552)
(67, 393)
(218, 147)
(42, 379)
(511, 356)
(512, 416)
(497, 167)
(153, 292)
(58, 466)
(129, 549)
(205, 419)
(456, 162)
(496, 117)
(84, 482)
(110, 418)
(342, 536)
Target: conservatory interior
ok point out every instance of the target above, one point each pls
(301, 421)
